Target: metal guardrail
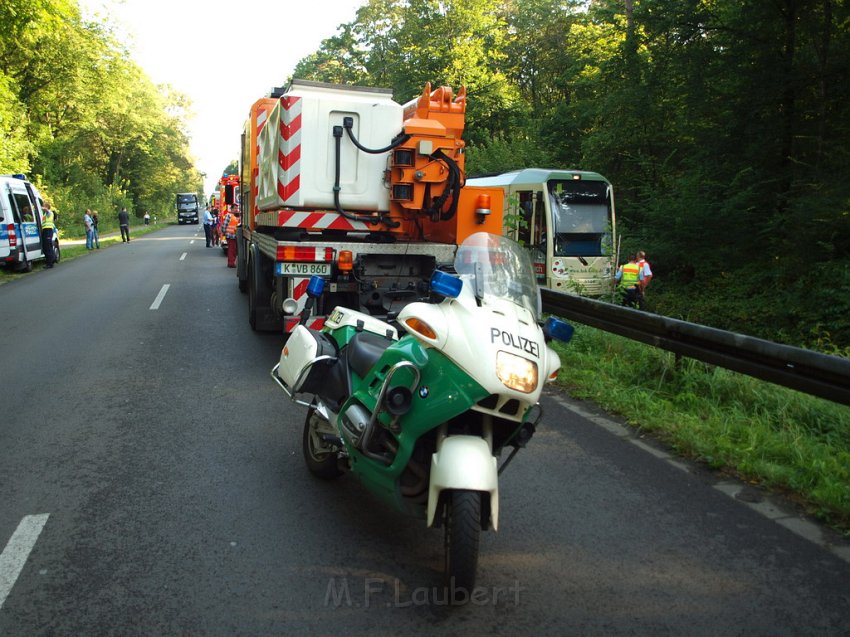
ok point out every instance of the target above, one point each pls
(793, 367)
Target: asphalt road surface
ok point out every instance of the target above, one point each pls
(151, 483)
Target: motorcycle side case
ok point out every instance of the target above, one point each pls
(302, 363)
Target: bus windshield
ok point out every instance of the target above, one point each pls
(580, 216)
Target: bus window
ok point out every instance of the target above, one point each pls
(538, 235)
(526, 209)
(580, 212)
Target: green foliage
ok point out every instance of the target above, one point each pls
(501, 154)
(724, 126)
(82, 120)
(16, 147)
(765, 433)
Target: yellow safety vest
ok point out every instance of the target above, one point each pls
(631, 275)
(47, 222)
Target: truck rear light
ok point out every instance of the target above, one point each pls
(296, 253)
(345, 263)
(13, 238)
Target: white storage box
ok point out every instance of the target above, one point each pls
(297, 148)
(302, 349)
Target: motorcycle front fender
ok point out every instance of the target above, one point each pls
(464, 462)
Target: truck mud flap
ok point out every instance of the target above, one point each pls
(261, 316)
(241, 261)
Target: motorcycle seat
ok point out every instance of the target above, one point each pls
(364, 350)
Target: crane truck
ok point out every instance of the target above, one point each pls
(345, 183)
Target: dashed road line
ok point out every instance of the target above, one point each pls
(183, 256)
(17, 551)
(158, 300)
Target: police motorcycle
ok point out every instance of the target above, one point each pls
(423, 416)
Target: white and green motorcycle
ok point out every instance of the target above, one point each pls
(422, 418)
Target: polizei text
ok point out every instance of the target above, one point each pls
(515, 340)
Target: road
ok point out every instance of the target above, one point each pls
(151, 483)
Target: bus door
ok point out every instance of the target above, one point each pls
(532, 233)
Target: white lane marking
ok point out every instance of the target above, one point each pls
(183, 256)
(191, 242)
(158, 300)
(17, 551)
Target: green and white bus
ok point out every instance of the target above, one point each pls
(567, 219)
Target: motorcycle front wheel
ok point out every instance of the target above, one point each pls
(321, 457)
(462, 532)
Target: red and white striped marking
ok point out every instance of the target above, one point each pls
(262, 118)
(289, 156)
(311, 220)
(298, 291)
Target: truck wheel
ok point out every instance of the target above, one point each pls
(320, 457)
(462, 531)
(261, 317)
(57, 253)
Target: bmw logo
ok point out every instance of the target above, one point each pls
(423, 392)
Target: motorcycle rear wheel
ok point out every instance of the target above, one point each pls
(462, 533)
(321, 458)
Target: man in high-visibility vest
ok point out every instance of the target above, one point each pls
(643, 264)
(230, 223)
(48, 227)
(629, 279)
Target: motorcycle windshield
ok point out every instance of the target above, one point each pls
(499, 269)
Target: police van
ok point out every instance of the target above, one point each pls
(20, 224)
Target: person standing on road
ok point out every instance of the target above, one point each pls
(48, 227)
(643, 264)
(95, 233)
(629, 278)
(124, 223)
(215, 227)
(208, 221)
(89, 222)
(230, 223)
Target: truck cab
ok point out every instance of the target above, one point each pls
(20, 223)
(187, 207)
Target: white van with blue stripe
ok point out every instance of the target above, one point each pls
(20, 224)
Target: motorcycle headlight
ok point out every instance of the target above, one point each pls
(516, 372)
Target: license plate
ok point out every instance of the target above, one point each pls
(302, 269)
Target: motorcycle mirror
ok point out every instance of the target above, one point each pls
(558, 329)
(446, 284)
(316, 286)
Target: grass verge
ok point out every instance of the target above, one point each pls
(765, 434)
